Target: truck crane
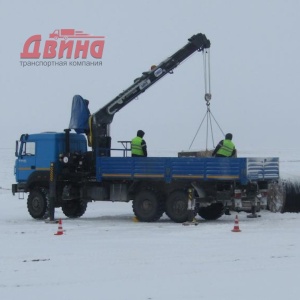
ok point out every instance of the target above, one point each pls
(57, 170)
(101, 120)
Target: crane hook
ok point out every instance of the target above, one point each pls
(207, 97)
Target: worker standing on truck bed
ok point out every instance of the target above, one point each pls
(138, 145)
(225, 148)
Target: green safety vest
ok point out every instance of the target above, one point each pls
(136, 146)
(227, 148)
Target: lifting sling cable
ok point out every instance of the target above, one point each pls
(207, 86)
(198, 130)
(207, 115)
(207, 97)
(206, 64)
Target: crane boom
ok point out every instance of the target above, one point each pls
(100, 120)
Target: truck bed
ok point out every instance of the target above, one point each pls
(169, 169)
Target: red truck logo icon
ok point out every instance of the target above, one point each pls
(71, 33)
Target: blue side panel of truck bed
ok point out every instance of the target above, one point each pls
(207, 168)
(187, 168)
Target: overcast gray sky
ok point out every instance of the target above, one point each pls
(255, 67)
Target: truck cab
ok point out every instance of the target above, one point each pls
(35, 152)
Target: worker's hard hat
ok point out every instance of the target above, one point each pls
(140, 133)
(228, 136)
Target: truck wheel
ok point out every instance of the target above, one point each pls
(37, 204)
(148, 206)
(176, 206)
(212, 212)
(74, 208)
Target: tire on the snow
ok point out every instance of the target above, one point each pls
(288, 192)
(212, 212)
(176, 206)
(37, 203)
(148, 206)
(74, 208)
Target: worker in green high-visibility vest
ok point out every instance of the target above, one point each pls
(138, 145)
(225, 148)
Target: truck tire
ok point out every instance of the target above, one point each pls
(289, 193)
(37, 203)
(74, 208)
(176, 206)
(212, 212)
(148, 206)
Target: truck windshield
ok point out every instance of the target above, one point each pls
(28, 149)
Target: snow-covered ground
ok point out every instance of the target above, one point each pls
(106, 255)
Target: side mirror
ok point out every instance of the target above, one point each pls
(17, 147)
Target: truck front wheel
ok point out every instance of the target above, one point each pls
(147, 206)
(37, 204)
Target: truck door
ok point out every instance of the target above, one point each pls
(26, 160)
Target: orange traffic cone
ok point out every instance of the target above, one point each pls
(60, 229)
(236, 227)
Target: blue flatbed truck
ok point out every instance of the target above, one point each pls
(58, 170)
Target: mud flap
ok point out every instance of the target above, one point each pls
(191, 209)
